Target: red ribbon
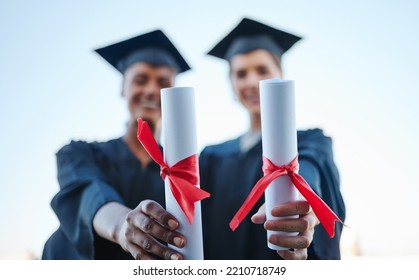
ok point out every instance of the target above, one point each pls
(183, 175)
(325, 215)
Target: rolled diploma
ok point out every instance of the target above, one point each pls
(279, 142)
(179, 138)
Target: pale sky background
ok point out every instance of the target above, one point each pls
(356, 78)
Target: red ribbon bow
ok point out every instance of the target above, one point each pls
(183, 175)
(325, 215)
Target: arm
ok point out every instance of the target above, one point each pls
(316, 154)
(86, 204)
(83, 191)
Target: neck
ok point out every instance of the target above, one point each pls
(255, 122)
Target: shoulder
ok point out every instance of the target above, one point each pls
(222, 149)
(314, 143)
(76, 147)
(314, 138)
(312, 134)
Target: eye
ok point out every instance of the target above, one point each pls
(164, 83)
(263, 71)
(140, 80)
(241, 74)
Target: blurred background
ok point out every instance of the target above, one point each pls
(356, 78)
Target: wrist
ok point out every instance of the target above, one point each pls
(109, 219)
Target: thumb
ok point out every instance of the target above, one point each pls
(260, 216)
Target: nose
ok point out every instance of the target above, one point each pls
(252, 80)
(152, 90)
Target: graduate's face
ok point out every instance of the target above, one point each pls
(246, 70)
(141, 88)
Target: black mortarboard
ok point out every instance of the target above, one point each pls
(250, 35)
(153, 48)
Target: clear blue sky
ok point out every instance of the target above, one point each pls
(355, 73)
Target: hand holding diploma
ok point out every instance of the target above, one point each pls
(281, 182)
(180, 226)
(179, 168)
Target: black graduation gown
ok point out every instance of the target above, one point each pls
(229, 175)
(90, 175)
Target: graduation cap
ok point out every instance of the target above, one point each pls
(250, 35)
(153, 48)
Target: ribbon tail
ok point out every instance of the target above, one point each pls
(146, 138)
(325, 215)
(253, 197)
(186, 194)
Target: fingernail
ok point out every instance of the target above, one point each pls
(178, 241)
(253, 218)
(174, 257)
(172, 224)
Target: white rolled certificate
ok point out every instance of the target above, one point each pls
(179, 140)
(279, 142)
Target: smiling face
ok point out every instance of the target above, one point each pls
(141, 88)
(246, 70)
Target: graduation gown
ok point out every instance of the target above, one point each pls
(90, 175)
(229, 175)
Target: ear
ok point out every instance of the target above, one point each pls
(281, 74)
(233, 89)
(122, 87)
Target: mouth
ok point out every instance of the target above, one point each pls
(253, 99)
(150, 105)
